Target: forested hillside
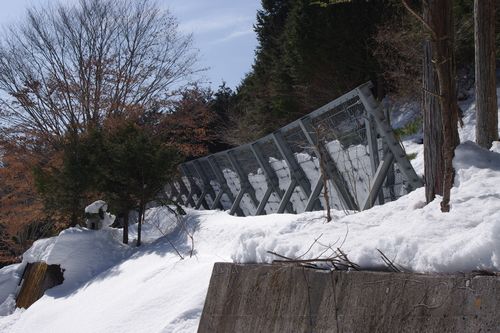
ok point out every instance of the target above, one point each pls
(309, 54)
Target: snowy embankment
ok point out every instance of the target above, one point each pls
(110, 287)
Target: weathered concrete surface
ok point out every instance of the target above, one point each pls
(278, 298)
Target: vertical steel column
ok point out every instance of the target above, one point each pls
(387, 134)
(184, 190)
(201, 193)
(218, 197)
(285, 201)
(223, 183)
(371, 136)
(331, 168)
(176, 194)
(193, 188)
(296, 171)
(164, 195)
(245, 186)
(271, 179)
(378, 181)
(207, 187)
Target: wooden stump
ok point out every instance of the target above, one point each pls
(36, 279)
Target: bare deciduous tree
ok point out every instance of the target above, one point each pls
(65, 68)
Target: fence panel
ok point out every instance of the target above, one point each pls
(346, 147)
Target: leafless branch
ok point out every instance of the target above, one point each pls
(66, 67)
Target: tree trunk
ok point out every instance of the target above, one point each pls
(125, 227)
(485, 68)
(433, 135)
(438, 15)
(74, 219)
(139, 224)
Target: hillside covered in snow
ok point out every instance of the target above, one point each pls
(111, 287)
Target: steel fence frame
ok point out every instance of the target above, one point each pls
(202, 181)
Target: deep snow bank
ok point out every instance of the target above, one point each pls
(416, 236)
(110, 287)
(82, 254)
(151, 290)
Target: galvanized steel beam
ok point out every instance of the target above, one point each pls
(296, 172)
(378, 180)
(388, 135)
(223, 183)
(245, 186)
(271, 179)
(193, 188)
(207, 187)
(332, 171)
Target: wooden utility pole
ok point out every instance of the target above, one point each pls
(485, 68)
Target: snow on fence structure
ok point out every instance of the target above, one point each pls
(349, 142)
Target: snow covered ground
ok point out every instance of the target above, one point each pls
(111, 287)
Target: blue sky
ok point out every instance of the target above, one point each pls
(222, 31)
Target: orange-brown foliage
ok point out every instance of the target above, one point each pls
(19, 204)
(191, 127)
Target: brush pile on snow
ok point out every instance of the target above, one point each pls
(111, 287)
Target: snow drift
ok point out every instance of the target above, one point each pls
(111, 287)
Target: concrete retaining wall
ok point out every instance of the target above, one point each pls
(286, 298)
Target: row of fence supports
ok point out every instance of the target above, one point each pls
(382, 167)
(332, 172)
(271, 180)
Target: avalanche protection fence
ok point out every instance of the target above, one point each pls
(345, 152)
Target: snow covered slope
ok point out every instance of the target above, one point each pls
(111, 287)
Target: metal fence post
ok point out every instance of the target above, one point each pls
(207, 187)
(165, 194)
(378, 181)
(193, 188)
(223, 183)
(186, 192)
(371, 135)
(271, 179)
(176, 194)
(331, 168)
(200, 192)
(387, 134)
(245, 186)
(296, 171)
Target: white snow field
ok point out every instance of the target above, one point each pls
(111, 287)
